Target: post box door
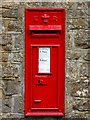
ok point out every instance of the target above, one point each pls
(44, 79)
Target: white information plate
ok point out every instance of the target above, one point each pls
(44, 60)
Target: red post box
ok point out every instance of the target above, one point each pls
(44, 62)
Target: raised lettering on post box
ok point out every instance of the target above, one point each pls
(44, 62)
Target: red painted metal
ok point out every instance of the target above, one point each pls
(44, 91)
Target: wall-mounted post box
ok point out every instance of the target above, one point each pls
(44, 62)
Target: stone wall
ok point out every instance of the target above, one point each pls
(12, 43)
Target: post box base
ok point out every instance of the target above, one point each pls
(44, 114)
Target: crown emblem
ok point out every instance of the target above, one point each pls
(45, 18)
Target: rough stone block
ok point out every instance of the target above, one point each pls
(45, 118)
(80, 89)
(0, 25)
(73, 54)
(15, 57)
(12, 87)
(81, 104)
(6, 105)
(2, 93)
(10, 13)
(14, 26)
(0, 105)
(10, 70)
(70, 40)
(0, 47)
(87, 56)
(0, 57)
(77, 23)
(84, 70)
(6, 42)
(75, 13)
(4, 57)
(11, 57)
(18, 41)
(71, 5)
(71, 70)
(6, 39)
(68, 107)
(18, 104)
(7, 47)
(82, 39)
(0, 39)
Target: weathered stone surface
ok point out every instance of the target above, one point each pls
(0, 57)
(12, 87)
(88, 23)
(11, 57)
(0, 39)
(80, 89)
(81, 104)
(12, 41)
(18, 42)
(0, 25)
(71, 71)
(10, 70)
(45, 118)
(6, 105)
(77, 23)
(87, 56)
(68, 107)
(0, 47)
(18, 104)
(73, 55)
(82, 39)
(16, 57)
(4, 57)
(14, 26)
(84, 70)
(6, 39)
(2, 93)
(6, 42)
(76, 13)
(10, 13)
(70, 39)
(0, 106)
(7, 47)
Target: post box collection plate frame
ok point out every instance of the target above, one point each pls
(29, 110)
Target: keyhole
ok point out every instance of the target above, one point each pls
(38, 81)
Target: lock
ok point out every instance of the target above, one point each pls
(40, 81)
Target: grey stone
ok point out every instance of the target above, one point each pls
(10, 13)
(10, 70)
(73, 54)
(4, 57)
(18, 42)
(6, 39)
(84, 70)
(6, 105)
(14, 26)
(82, 40)
(15, 57)
(18, 104)
(87, 56)
(81, 104)
(71, 71)
(80, 89)
(12, 87)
